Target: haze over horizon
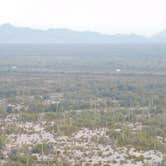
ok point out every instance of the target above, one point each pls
(11, 25)
(106, 16)
(15, 34)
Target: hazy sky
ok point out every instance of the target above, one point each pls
(107, 16)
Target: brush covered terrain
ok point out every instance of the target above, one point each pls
(82, 105)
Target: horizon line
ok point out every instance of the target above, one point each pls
(76, 30)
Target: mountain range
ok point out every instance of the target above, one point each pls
(13, 34)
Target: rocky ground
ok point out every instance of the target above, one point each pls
(84, 147)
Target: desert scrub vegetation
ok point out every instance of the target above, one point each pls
(140, 140)
(163, 163)
(42, 149)
(21, 160)
(2, 141)
(68, 122)
(81, 109)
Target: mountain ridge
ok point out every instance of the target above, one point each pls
(13, 34)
